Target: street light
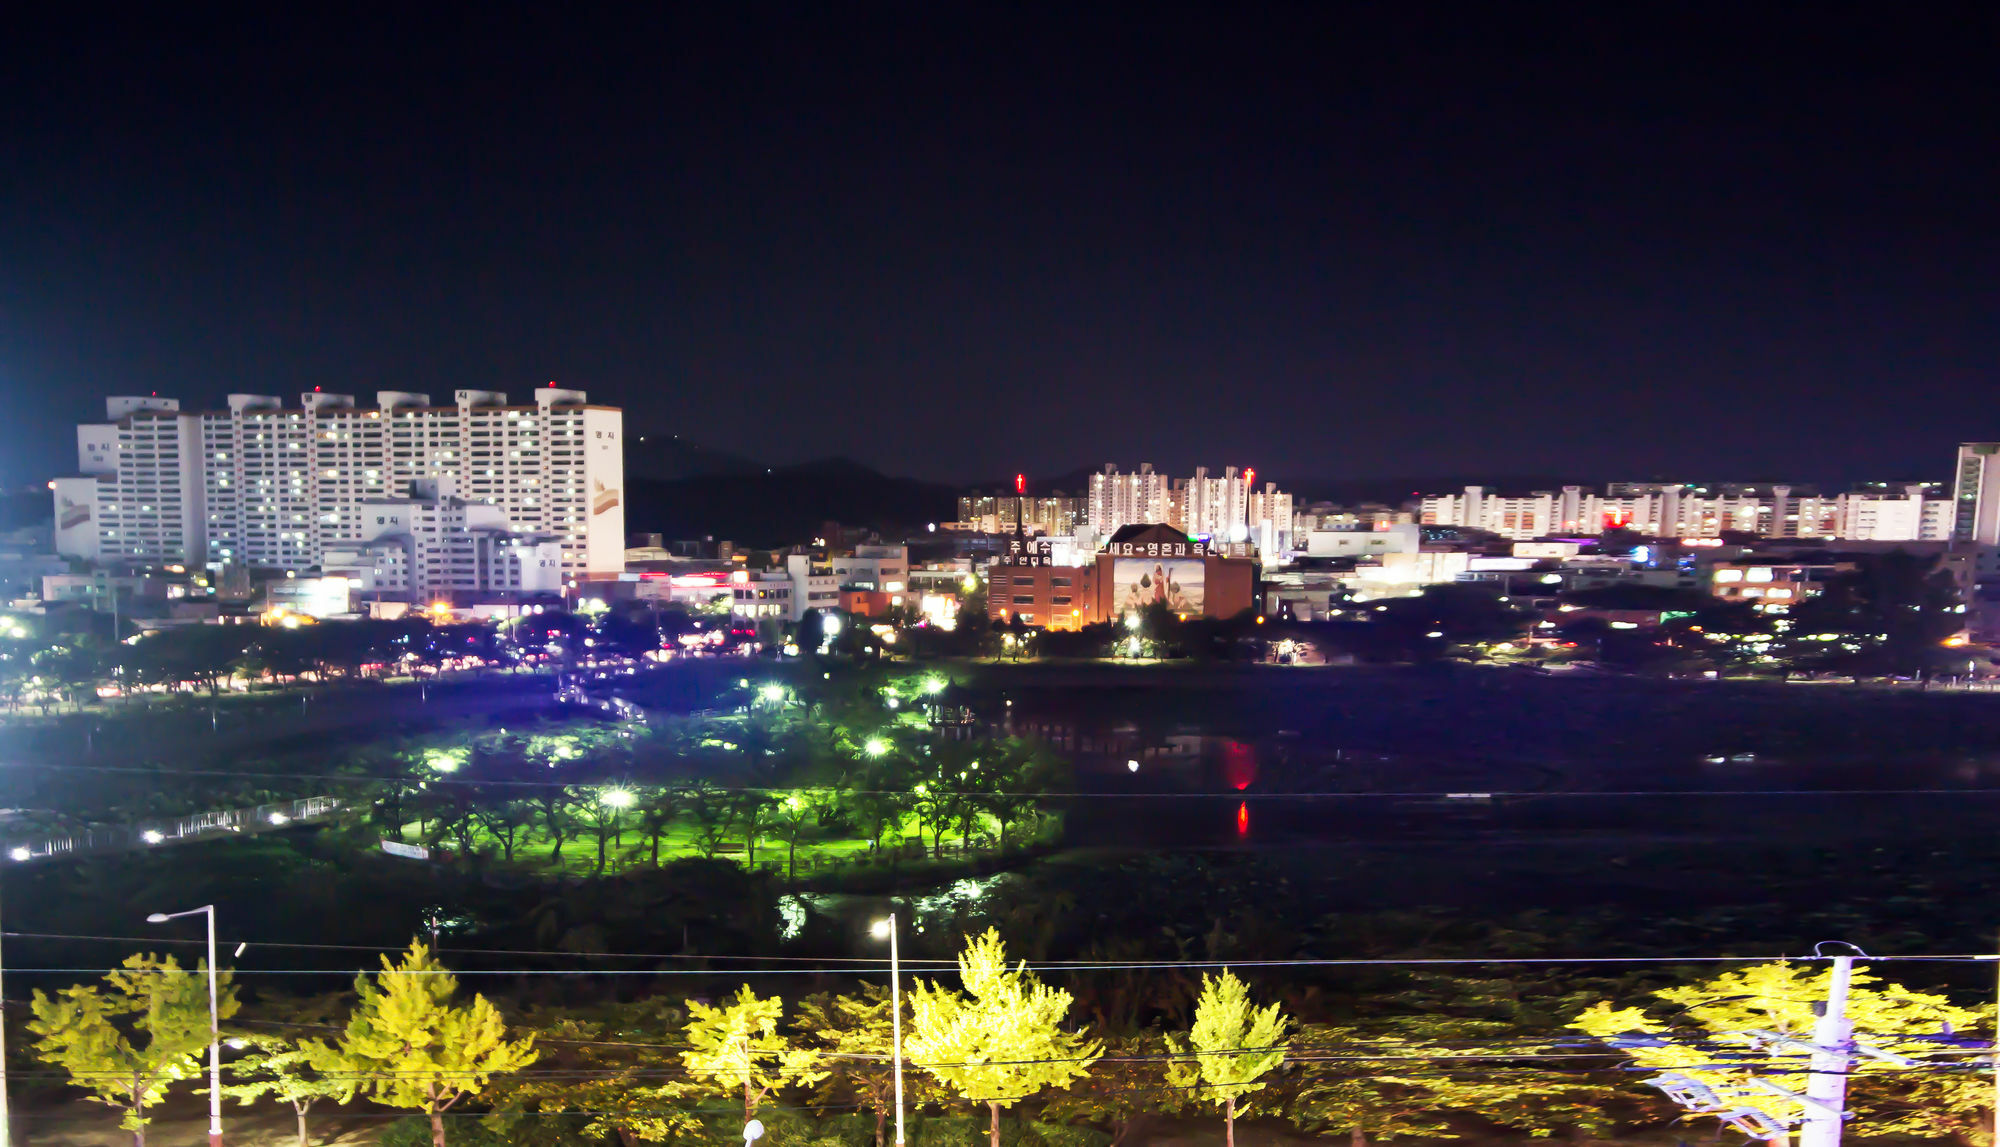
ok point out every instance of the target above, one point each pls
(617, 798)
(214, 1023)
(886, 927)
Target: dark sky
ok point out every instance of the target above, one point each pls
(1324, 239)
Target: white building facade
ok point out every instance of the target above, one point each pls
(261, 485)
(416, 549)
(1680, 511)
(1222, 508)
(143, 468)
(1118, 500)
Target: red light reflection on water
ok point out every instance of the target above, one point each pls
(1243, 819)
(1239, 765)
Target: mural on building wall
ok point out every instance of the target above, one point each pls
(1178, 584)
(70, 513)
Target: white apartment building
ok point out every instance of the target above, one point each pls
(141, 487)
(766, 594)
(1679, 511)
(813, 586)
(264, 486)
(1913, 516)
(882, 568)
(1224, 508)
(1271, 519)
(1217, 508)
(1118, 500)
(414, 549)
(1975, 492)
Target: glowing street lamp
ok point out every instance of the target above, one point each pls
(214, 1022)
(886, 928)
(617, 798)
(875, 747)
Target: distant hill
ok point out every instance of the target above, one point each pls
(785, 504)
(669, 457)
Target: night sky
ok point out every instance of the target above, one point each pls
(1323, 239)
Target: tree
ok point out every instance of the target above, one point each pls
(553, 802)
(1231, 1045)
(738, 1045)
(504, 816)
(1021, 777)
(1888, 616)
(408, 1045)
(709, 806)
(856, 1034)
(604, 1066)
(657, 810)
(603, 812)
(74, 669)
(1105, 1097)
(747, 807)
(795, 814)
(283, 1069)
(130, 1040)
(1781, 997)
(1002, 1040)
(1459, 615)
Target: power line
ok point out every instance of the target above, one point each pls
(1049, 966)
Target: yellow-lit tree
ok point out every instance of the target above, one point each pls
(1001, 1040)
(1232, 1045)
(738, 1046)
(408, 1045)
(1693, 1035)
(129, 1040)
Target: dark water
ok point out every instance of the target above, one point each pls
(1197, 791)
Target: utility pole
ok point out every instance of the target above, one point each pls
(4, 1121)
(1832, 1059)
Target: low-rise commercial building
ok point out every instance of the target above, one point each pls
(1139, 568)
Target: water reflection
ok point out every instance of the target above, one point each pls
(1239, 764)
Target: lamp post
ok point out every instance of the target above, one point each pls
(887, 927)
(4, 1120)
(214, 1022)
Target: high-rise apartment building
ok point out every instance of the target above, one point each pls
(268, 487)
(1217, 508)
(1118, 500)
(1910, 512)
(1222, 508)
(1054, 514)
(145, 463)
(1975, 493)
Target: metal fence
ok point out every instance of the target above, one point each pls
(159, 834)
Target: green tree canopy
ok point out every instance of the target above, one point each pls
(1781, 997)
(737, 1045)
(282, 1067)
(1001, 1040)
(408, 1045)
(1232, 1045)
(127, 1041)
